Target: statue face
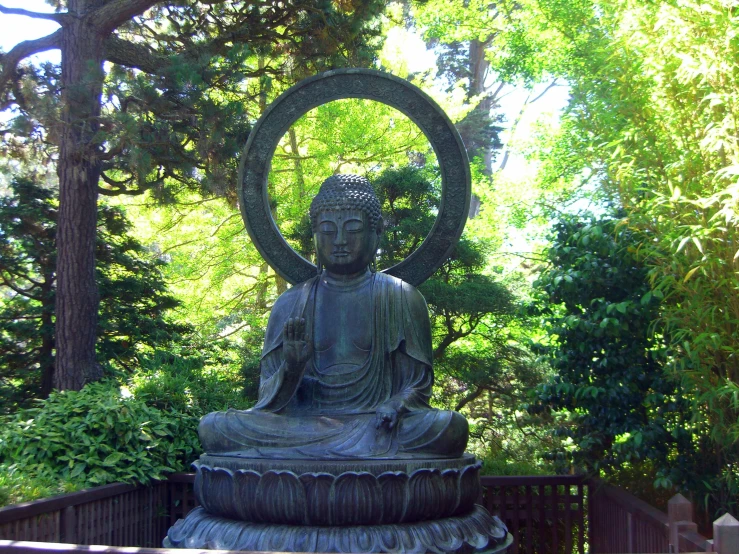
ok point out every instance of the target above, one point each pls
(345, 241)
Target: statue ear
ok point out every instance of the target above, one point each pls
(379, 226)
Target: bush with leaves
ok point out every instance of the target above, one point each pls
(651, 122)
(96, 436)
(608, 393)
(195, 382)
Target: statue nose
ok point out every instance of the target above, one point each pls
(340, 237)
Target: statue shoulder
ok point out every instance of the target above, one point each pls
(290, 303)
(412, 322)
(413, 298)
(288, 299)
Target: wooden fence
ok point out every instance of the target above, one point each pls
(545, 514)
(621, 523)
(116, 515)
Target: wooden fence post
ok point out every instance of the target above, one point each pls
(726, 535)
(69, 524)
(680, 518)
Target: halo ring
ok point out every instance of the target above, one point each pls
(372, 85)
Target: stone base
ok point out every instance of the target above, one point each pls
(336, 492)
(477, 532)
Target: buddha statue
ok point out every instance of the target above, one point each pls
(342, 451)
(346, 368)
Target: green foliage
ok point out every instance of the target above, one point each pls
(17, 486)
(179, 103)
(97, 436)
(133, 295)
(27, 261)
(192, 381)
(135, 301)
(608, 395)
(501, 464)
(651, 124)
(194, 118)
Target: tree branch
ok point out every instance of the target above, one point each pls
(469, 397)
(26, 293)
(549, 86)
(134, 55)
(114, 14)
(58, 17)
(21, 51)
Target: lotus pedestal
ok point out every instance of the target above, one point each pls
(339, 506)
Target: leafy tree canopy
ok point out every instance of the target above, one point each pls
(651, 125)
(178, 72)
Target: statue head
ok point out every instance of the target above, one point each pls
(347, 224)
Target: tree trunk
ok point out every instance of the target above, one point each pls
(479, 66)
(79, 170)
(261, 300)
(46, 356)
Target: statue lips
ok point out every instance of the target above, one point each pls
(344, 257)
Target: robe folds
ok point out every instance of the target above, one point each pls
(322, 414)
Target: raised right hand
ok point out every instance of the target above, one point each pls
(297, 347)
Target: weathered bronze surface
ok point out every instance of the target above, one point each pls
(346, 364)
(342, 452)
(476, 531)
(372, 85)
(322, 494)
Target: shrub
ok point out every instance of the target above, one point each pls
(17, 486)
(196, 383)
(96, 436)
(500, 464)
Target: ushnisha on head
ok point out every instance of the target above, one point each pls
(346, 192)
(347, 223)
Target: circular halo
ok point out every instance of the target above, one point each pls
(371, 85)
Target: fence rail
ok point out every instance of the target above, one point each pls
(115, 515)
(545, 514)
(621, 523)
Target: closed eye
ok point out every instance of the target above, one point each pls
(354, 227)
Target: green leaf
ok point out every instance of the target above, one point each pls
(78, 469)
(113, 459)
(682, 244)
(690, 273)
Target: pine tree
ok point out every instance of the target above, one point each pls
(182, 55)
(133, 294)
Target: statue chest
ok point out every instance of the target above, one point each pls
(342, 334)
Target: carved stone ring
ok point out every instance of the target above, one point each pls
(372, 85)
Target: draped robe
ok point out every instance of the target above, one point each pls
(319, 413)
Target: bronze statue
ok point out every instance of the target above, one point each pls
(342, 452)
(346, 368)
